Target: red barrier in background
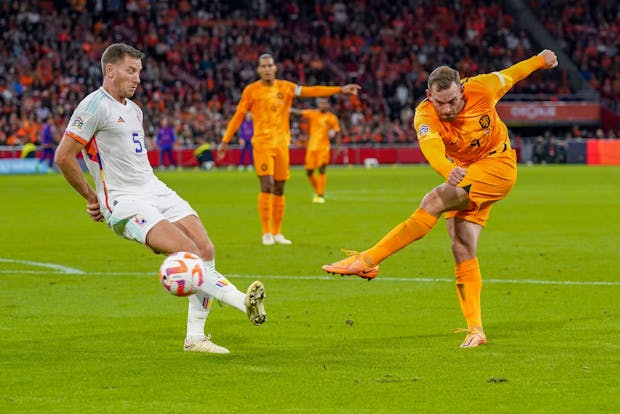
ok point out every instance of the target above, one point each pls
(410, 154)
(599, 152)
(403, 154)
(603, 152)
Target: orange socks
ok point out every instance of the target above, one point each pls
(414, 228)
(264, 210)
(318, 183)
(277, 214)
(321, 181)
(314, 183)
(468, 288)
(271, 210)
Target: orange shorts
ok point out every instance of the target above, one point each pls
(489, 180)
(317, 158)
(272, 161)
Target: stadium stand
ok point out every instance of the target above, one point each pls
(200, 54)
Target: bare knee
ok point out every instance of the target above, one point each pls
(432, 203)
(278, 188)
(266, 184)
(444, 198)
(207, 250)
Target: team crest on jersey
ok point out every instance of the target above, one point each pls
(484, 121)
(120, 120)
(280, 96)
(78, 122)
(424, 130)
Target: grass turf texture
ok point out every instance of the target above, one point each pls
(110, 340)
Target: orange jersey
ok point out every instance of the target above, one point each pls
(320, 125)
(271, 108)
(477, 132)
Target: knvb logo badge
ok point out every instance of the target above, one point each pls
(78, 122)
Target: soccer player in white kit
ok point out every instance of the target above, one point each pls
(107, 128)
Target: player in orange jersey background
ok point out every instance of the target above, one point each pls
(322, 123)
(464, 140)
(269, 100)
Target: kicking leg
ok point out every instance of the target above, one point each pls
(443, 198)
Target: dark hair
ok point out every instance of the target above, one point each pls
(117, 52)
(265, 56)
(443, 77)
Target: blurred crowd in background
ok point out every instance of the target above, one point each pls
(200, 54)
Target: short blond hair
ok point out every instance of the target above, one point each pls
(443, 77)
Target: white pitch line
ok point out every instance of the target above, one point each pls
(380, 279)
(60, 268)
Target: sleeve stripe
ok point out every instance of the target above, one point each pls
(76, 137)
(502, 80)
(297, 90)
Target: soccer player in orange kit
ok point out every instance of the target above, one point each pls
(321, 124)
(465, 141)
(270, 99)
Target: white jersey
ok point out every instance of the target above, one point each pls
(114, 149)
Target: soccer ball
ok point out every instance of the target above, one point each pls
(181, 273)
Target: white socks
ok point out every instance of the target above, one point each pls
(215, 285)
(197, 312)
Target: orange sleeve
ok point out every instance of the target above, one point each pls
(318, 91)
(521, 70)
(242, 108)
(505, 79)
(434, 151)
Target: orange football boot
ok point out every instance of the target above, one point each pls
(356, 264)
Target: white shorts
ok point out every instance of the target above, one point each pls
(133, 216)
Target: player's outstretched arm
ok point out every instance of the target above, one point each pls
(320, 91)
(551, 60)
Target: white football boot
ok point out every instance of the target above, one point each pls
(280, 239)
(203, 344)
(268, 239)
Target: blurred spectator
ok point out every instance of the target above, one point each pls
(204, 155)
(246, 131)
(200, 55)
(539, 155)
(29, 150)
(165, 140)
(589, 32)
(48, 142)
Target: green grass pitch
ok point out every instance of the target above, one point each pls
(109, 339)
